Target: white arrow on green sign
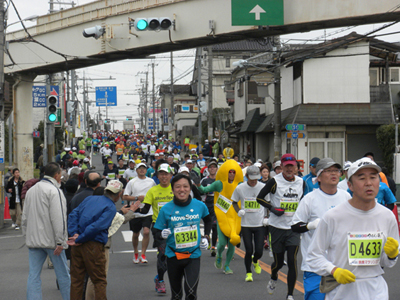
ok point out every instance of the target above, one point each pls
(257, 12)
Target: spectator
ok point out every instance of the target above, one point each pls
(14, 187)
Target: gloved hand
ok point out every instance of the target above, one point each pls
(344, 276)
(391, 247)
(241, 213)
(279, 211)
(204, 243)
(265, 222)
(165, 233)
(313, 224)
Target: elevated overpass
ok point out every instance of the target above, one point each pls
(56, 43)
(62, 31)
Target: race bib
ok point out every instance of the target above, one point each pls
(152, 152)
(139, 156)
(290, 205)
(130, 178)
(121, 172)
(111, 175)
(185, 237)
(251, 204)
(365, 248)
(176, 158)
(161, 204)
(223, 203)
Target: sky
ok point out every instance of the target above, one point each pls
(129, 73)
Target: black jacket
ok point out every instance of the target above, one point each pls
(10, 185)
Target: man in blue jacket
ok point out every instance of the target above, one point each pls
(88, 227)
(310, 185)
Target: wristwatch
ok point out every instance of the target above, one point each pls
(136, 198)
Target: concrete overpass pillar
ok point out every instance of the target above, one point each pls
(23, 118)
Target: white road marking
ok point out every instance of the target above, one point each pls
(127, 235)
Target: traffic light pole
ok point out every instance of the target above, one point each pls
(199, 94)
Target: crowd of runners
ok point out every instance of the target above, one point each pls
(193, 198)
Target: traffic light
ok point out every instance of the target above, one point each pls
(52, 108)
(129, 118)
(107, 121)
(153, 24)
(203, 106)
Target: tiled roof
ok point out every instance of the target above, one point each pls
(244, 45)
(252, 121)
(178, 89)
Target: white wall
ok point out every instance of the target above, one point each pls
(340, 79)
(190, 120)
(287, 87)
(240, 104)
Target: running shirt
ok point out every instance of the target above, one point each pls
(157, 197)
(153, 149)
(343, 185)
(313, 206)
(247, 196)
(286, 194)
(130, 174)
(184, 223)
(139, 187)
(106, 151)
(345, 227)
(177, 157)
(209, 197)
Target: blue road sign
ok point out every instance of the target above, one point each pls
(106, 96)
(39, 96)
(165, 115)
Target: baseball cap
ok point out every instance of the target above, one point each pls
(346, 165)
(183, 169)
(258, 165)
(288, 159)
(75, 163)
(86, 159)
(114, 186)
(360, 164)
(213, 162)
(314, 161)
(107, 145)
(73, 148)
(189, 161)
(110, 162)
(277, 164)
(132, 160)
(206, 141)
(161, 154)
(253, 172)
(156, 155)
(141, 165)
(326, 163)
(165, 168)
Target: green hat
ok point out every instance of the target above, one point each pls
(110, 162)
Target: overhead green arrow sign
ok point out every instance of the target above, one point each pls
(257, 12)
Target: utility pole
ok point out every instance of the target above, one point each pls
(210, 93)
(73, 123)
(2, 133)
(154, 100)
(277, 107)
(145, 102)
(84, 104)
(171, 124)
(199, 93)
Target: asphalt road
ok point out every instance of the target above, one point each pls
(127, 280)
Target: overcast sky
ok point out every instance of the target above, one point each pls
(126, 72)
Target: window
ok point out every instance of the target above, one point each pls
(326, 144)
(373, 77)
(240, 89)
(253, 94)
(228, 62)
(394, 75)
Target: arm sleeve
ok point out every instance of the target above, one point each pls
(207, 225)
(58, 214)
(196, 193)
(317, 250)
(269, 187)
(144, 210)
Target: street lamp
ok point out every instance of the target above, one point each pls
(31, 19)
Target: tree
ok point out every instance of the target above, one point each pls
(385, 135)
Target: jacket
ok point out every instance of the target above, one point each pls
(10, 185)
(91, 219)
(44, 218)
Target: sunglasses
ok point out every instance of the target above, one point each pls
(289, 158)
(231, 171)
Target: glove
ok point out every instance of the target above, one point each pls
(313, 224)
(165, 233)
(241, 213)
(265, 222)
(279, 211)
(204, 243)
(344, 276)
(391, 247)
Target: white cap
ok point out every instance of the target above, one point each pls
(115, 186)
(183, 169)
(73, 148)
(189, 161)
(277, 164)
(141, 165)
(362, 163)
(165, 168)
(132, 160)
(257, 164)
(86, 159)
(346, 165)
(206, 141)
(156, 155)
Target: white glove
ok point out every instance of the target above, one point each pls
(313, 225)
(265, 222)
(241, 213)
(204, 243)
(165, 233)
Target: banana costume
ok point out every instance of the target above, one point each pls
(228, 220)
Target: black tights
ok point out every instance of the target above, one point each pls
(214, 235)
(292, 265)
(188, 270)
(247, 234)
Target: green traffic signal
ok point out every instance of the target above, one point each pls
(52, 117)
(142, 24)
